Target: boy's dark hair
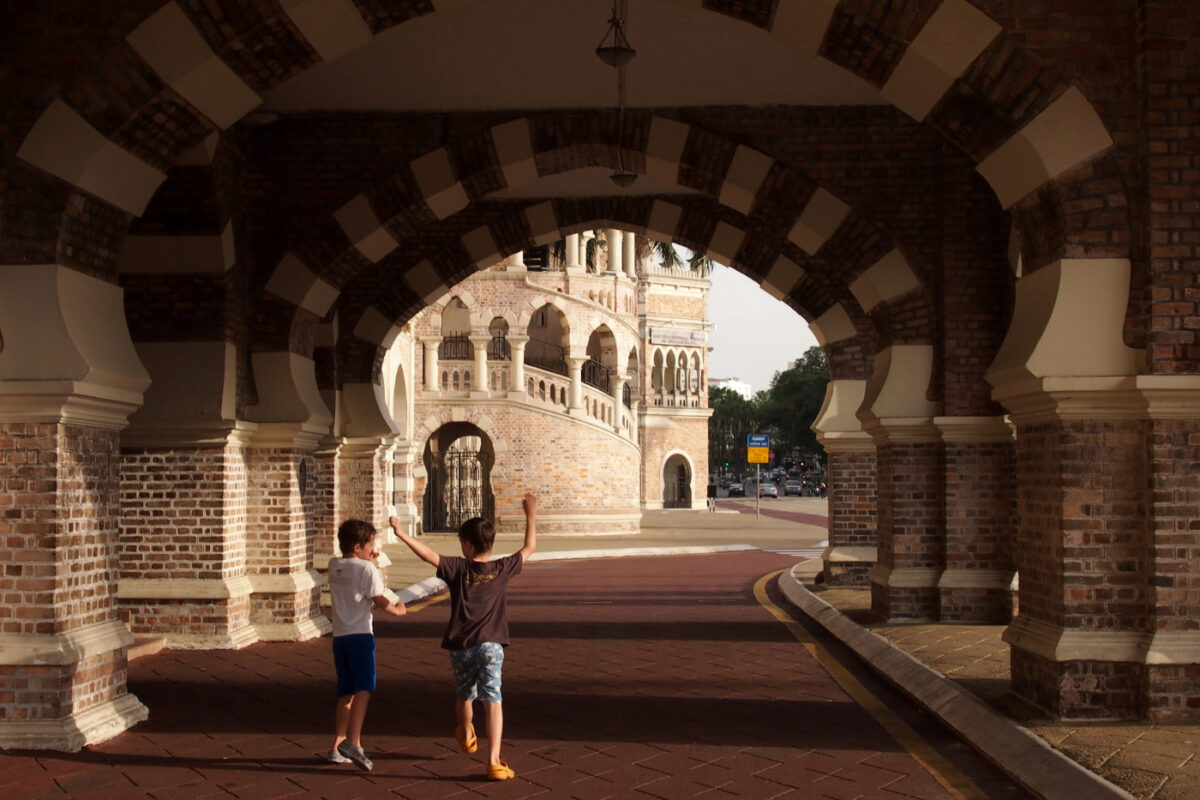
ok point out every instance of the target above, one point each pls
(352, 533)
(479, 533)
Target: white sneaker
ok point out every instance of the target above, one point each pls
(334, 757)
(356, 755)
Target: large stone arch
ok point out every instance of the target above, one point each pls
(198, 77)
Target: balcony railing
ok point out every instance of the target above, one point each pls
(456, 347)
(498, 349)
(595, 374)
(549, 357)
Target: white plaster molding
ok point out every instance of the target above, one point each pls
(542, 223)
(664, 219)
(363, 411)
(1173, 647)
(333, 27)
(948, 43)
(1170, 396)
(364, 230)
(285, 583)
(174, 49)
(96, 724)
(68, 647)
(63, 144)
(1063, 136)
(886, 280)
(1055, 643)
(193, 384)
(972, 430)
(838, 414)
(81, 364)
(898, 385)
(287, 393)
(423, 279)
(481, 247)
(905, 577)
(183, 588)
(435, 178)
(374, 327)
(960, 578)
(850, 555)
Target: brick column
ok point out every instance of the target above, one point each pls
(183, 537)
(281, 540)
(910, 481)
(981, 520)
(850, 479)
(63, 400)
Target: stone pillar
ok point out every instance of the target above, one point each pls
(630, 257)
(480, 387)
(517, 382)
(575, 367)
(516, 260)
(433, 381)
(65, 393)
(361, 465)
(909, 482)
(572, 254)
(613, 237)
(981, 520)
(1086, 545)
(850, 480)
(617, 387)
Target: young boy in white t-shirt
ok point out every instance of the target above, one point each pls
(355, 585)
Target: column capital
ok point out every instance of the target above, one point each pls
(966, 430)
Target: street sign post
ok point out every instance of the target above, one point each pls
(758, 448)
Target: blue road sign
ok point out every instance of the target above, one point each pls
(758, 440)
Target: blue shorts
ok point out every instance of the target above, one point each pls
(477, 671)
(354, 659)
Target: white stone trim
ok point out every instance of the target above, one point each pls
(514, 146)
(1057, 644)
(296, 283)
(818, 222)
(905, 577)
(664, 148)
(950, 41)
(725, 243)
(374, 327)
(802, 26)
(899, 382)
(838, 414)
(435, 178)
(183, 588)
(174, 49)
(664, 219)
(782, 278)
(542, 223)
(834, 325)
(286, 583)
(333, 27)
(1064, 135)
(481, 247)
(302, 631)
(960, 578)
(74, 732)
(362, 226)
(423, 279)
(69, 647)
(744, 178)
(850, 555)
(884, 281)
(64, 144)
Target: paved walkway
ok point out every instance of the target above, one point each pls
(643, 676)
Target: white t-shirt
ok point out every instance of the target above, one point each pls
(353, 582)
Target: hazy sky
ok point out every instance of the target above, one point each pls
(754, 335)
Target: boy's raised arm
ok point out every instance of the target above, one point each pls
(423, 551)
(530, 547)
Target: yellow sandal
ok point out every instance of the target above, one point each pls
(500, 772)
(467, 739)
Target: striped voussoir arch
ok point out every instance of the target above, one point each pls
(204, 74)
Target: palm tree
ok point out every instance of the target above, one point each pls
(670, 257)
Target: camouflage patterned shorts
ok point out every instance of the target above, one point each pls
(477, 671)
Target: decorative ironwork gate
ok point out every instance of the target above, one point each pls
(458, 490)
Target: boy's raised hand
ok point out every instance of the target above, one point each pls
(529, 504)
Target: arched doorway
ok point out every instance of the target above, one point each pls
(677, 482)
(458, 460)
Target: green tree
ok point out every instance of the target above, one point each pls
(732, 420)
(787, 410)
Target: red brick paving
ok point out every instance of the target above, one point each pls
(655, 677)
(820, 520)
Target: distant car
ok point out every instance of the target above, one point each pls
(737, 490)
(725, 482)
(768, 490)
(793, 488)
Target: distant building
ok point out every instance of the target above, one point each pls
(733, 384)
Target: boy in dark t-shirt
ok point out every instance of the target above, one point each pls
(478, 629)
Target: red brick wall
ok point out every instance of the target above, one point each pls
(853, 513)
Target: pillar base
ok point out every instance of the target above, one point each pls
(848, 566)
(907, 594)
(71, 734)
(286, 608)
(189, 614)
(977, 596)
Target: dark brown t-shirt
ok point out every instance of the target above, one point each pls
(478, 612)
